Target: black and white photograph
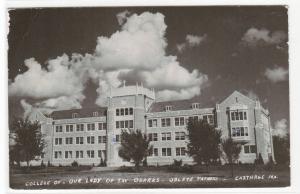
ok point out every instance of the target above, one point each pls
(148, 97)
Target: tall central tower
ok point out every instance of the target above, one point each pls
(126, 110)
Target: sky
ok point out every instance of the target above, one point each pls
(62, 58)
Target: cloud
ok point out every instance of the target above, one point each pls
(251, 94)
(135, 53)
(255, 36)
(191, 41)
(281, 128)
(122, 17)
(26, 107)
(277, 74)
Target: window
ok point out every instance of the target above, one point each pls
(90, 139)
(101, 139)
(249, 149)
(79, 154)
(69, 140)
(126, 111)
(130, 111)
(91, 127)
(152, 123)
(196, 105)
(122, 111)
(95, 114)
(117, 138)
(124, 124)
(153, 152)
(168, 108)
(58, 141)
(90, 153)
(117, 112)
(180, 151)
(166, 136)
(79, 140)
(179, 136)
(69, 128)
(101, 126)
(58, 129)
(80, 127)
(68, 154)
(238, 115)
(165, 122)
(209, 119)
(179, 121)
(166, 152)
(131, 124)
(74, 115)
(57, 154)
(239, 131)
(152, 136)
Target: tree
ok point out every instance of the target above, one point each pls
(281, 147)
(28, 141)
(204, 141)
(134, 146)
(231, 151)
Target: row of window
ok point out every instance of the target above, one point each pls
(249, 149)
(179, 151)
(166, 136)
(179, 121)
(79, 154)
(238, 115)
(80, 127)
(124, 111)
(194, 106)
(79, 140)
(128, 124)
(239, 131)
(75, 115)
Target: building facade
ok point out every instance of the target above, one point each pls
(91, 135)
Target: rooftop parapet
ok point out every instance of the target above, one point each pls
(132, 90)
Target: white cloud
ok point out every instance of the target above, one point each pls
(281, 128)
(251, 94)
(255, 36)
(277, 74)
(26, 107)
(122, 16)
(134, 53)
(194, 40)
(190, 41)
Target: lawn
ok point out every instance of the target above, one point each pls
(150, 178)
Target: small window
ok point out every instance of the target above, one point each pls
(130, 111)
(168, 108)
(196, 105)
(95, 114)
(74, 115)
(117, 112)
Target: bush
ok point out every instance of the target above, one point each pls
(43, 165)
(49, 164)
(126, 169)
(74, 164)
(145, 162)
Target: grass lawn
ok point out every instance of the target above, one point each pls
(150, 178)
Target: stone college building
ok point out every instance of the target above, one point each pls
(89, 135)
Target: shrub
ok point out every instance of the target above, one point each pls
(74, 164)
(145, 162)
(42, 164)
(49, 164)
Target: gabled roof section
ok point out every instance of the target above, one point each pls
(81, 113)
(177, 105)
(237, 93)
